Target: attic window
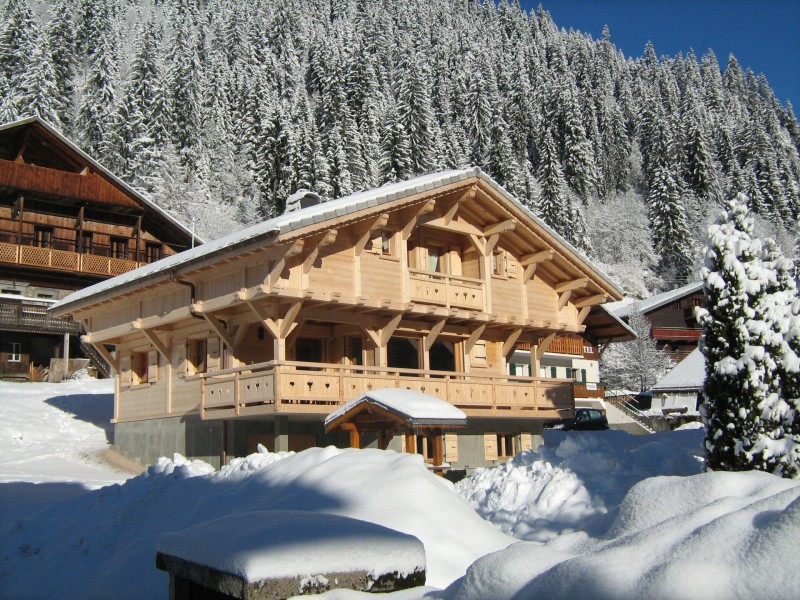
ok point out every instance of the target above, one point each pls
(380, 242)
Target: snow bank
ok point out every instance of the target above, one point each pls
(103, 544)
(708, 536)
(575, 478)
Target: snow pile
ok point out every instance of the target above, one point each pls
(713, 535)
(575, 478)
(103, 543)
(287, 543)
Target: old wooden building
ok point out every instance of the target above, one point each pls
(428, 284)
(65, 223)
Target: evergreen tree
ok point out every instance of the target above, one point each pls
(553, 204)
(670, 230)
(748, 423)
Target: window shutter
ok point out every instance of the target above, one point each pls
(490, 446)
(213, 354)
(125, 370)
(451, 447)
(180, 356)
(525, 441)
(553, 372)
(152, 366)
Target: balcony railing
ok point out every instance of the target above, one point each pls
(446, 290)
(314, 388)
(675, 333)
(25, 317)
(590, 390)
(64, 260)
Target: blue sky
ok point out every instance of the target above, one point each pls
(763, 35)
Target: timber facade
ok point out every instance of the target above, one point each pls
(429, 284)
(65, 223)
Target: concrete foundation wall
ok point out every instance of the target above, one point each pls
(146, 440)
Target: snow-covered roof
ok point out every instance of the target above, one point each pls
(624, 309)
(417, 408)
(690, 373)
(97, 167)
(28, 299)
(291, 543)
(286, 223)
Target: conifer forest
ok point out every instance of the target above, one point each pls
(218, 110)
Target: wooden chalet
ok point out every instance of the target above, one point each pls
(671, 315)
(65, 223)
(428, 284)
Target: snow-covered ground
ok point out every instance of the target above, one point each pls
(602, 514)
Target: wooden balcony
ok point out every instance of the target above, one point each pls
(15, 316)
(446, 290)
(64, 260)
(675, 333)
(314, 388)
(590, 390)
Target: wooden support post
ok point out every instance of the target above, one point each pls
(438, 454)
(411, 442)
(66, 356)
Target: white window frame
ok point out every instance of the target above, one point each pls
(16, 352)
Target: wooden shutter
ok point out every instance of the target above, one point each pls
(152, 366)
(490, 446)
(180, 359)
(213, 354)
(451, 447)
(525, 442)
(125, 370)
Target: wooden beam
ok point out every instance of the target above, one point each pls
(491, 243)
(563, 298)
(288, 322)
(389, 328)
(239, 334)
(511, 341)
(537, 257)
(364, 233)
(573, 284)
(473, 338)
(311, 258)
(416, 213)
(112, 361)
(590, 300)
(162, 348)
(544, 345)
(501, 227)
(219, 328)
(268, 322)
(435, 222)
(479, 243)
(280, 264)
(528, 273)
(583, 313)
(430, 338)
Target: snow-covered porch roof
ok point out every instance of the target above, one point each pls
(407, 407)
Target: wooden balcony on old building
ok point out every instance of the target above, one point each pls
(64, 260)
(22, 317)
(317, 389)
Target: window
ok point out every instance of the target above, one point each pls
(119, 247)
(506, 445)
(152, 252)
(499, 264)
(16, 352)
(435, 260)
(196, 353)
(569, 373)
(381, 242)
(43, 237)
(553, 372)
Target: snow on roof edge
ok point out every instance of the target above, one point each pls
(690, 373)
(659, 300)
(418, 408)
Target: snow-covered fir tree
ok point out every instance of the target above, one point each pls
(750, 423)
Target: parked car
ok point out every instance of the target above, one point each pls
(586, 419)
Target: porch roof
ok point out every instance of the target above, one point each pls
(415, 408)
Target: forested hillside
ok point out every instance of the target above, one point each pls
(220, 109)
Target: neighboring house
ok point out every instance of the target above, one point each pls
(65, 223)
(578, 357)
(428, 284)
(679, 390)
(671, 315)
